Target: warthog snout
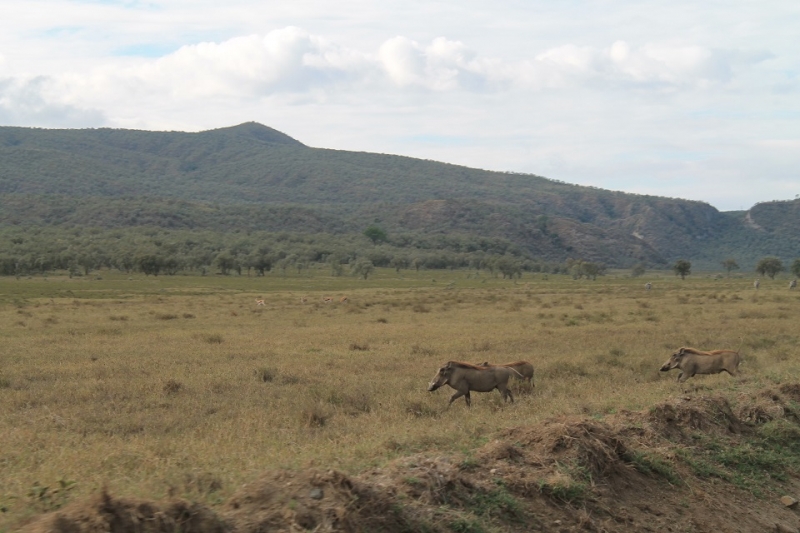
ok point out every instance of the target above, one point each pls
(669, 365)
(439, 379)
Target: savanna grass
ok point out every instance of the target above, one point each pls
(100, 388)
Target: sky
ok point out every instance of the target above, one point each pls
(676, 98)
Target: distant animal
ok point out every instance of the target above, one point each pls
(343, 300)
(523, 368)
(648, 286)
(327, 299)
(793, 284)
(466, 377)
(692, 361)
(259, 302)
(303, 299)
(756, 283)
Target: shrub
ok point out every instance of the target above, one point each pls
(314, 417)
(213, 338)
(172, 387)
(359, 347)
(264, 375)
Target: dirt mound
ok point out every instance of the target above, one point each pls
(105, 513)
(693, 463)
(315, 501)
(678, 418)
(592, 445)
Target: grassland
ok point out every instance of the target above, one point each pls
(183, 386)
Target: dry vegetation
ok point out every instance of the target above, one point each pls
(183, 387)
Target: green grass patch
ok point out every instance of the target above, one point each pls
(753, 464)
(569, 483)
(652, 464)
(496, 503)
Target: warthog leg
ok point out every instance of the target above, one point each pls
(506, 393)
(458, 395)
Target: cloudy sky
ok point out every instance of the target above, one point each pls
(680, 98)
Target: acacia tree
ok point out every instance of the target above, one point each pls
(335, 260)
(682, 268)
(375, 234)
(730, 264)
(149, 264)
(592, 270)
(509, 267)
(363, 268)
(399, 262)
(225, 262)
(769, 266)
(796, 268)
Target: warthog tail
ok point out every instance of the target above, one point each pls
(519, 376)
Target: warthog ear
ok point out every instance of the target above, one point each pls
(681, 352)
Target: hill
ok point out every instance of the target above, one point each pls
(254, 178)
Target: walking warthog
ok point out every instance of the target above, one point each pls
(692, 361)
(465, 377)
(523, 368)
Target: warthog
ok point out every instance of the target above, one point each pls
(793, 284)
(691, 361)
(465, 377)
(648, 286)
(523, 368)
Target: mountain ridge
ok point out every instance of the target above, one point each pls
(251, 171)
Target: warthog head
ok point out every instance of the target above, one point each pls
(441, 377)
(673, 361)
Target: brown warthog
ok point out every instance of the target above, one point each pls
(523, 368)
(465, 377)
(692, 361)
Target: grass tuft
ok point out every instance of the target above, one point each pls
(172, 387)
(213, 338)
(354, 346)
(264, 375)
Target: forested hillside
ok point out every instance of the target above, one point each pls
(253, 179)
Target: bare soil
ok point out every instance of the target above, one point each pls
(654, 470)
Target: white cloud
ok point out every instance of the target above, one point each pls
(29, 102)
(657, 64)
(443, 65)
(291, 60)
(288, 60)
(403, 61)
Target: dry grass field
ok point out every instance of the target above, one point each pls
(183, 386)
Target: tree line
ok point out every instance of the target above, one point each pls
(156, 251)
(767, 266)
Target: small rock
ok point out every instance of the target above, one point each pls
(557, 522)
(788, 501)
(316, 493)
(493, 471)
(780, 528)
